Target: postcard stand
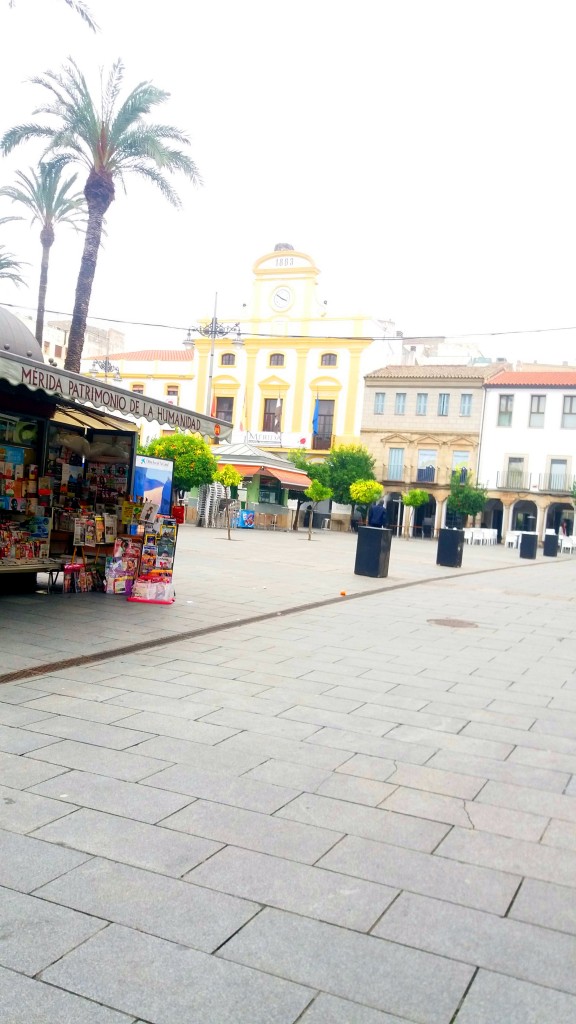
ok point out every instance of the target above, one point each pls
(154, 584)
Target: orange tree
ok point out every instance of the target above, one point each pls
(194, 463)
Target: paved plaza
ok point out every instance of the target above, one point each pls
(361, 812)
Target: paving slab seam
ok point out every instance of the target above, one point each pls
(454, 1018)
(90, 659)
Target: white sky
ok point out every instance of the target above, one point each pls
(421, 151)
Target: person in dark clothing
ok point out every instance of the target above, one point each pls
(377, 514)
(356, 519)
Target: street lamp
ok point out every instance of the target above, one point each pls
(107, 367)
(213, 330)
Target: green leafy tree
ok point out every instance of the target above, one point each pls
(110, 139)
(194, 463)
(347, 464)
(229, 477)
(365, 493)
(465, 499)
(317, 492)
(49, 201)
(79, 7)
(314, 470)
(414, 499)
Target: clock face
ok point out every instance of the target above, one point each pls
(281, 298)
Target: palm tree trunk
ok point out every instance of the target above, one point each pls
(99, 192)
(47, 239)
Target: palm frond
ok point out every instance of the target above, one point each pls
(80, 7)
(10, 267)
(23, 133)
(151, 174)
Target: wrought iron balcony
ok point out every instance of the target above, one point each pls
(513, 480)
(556, 483)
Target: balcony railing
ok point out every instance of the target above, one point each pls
(322, 442)
(513, 480)
(557, 483)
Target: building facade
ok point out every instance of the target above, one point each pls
(421, 424)
(290, 376)
(528, 449)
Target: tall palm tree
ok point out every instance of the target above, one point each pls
(110, 139)
(80, 7)
(50, 202)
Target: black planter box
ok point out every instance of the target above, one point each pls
(372, 551)
(550, 545)
(528, 545)
(450, 548)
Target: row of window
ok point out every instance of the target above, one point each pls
(537, 411)
(443, 407)
(427, 463)
(272, 418)
(172, 392)
(278, 359)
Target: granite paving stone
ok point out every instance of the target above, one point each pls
(367, 970)
(505, 822)
(523, 798)
(26, 863)
(561, 834)
(435, 780)
(20, 741)
(179, 728)
(75, 685)
(282, 773)
(285, 750)
(101, 793)
(35, 934)
(89, 710)
(354, 789)
(265, 724)
(478, 887)
(365, 766)
(221, 758)
(165, 983)
(510, 947)
(463, 742)
(128, 766)
(131, 842)
(367, 822)
(332, 1010)
(549, 760)
(166, 907)
(96, 733)
(501, 771)
(520, 737)
(336, 719)
(19, 772)
(15, 694)
(412, 753)
(22, 812)
(130, 703)
(546, 904)
(15, 715)
(244, 792)
(305, 890)
(441, 720)
(495, 997)
(253, 831)
(515, 855)
(25, 1001)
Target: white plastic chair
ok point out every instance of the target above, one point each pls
(567, 544)
(511, 540)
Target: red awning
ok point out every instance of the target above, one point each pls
(244, 470)
(292, 478)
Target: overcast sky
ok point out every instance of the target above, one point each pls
(421, 151)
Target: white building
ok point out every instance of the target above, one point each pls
(527, 455)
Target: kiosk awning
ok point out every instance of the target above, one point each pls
(293, 479)
(84, 392)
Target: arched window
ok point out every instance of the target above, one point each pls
(228, 359)
(276, 359)
(329, 359)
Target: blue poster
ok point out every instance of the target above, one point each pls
(153, 481)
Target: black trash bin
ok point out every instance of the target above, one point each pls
(528, 545)
(372, 551)
(550, 545)
(450, 548)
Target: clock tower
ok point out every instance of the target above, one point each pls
(285, 284)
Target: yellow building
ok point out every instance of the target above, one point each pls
(291, 375)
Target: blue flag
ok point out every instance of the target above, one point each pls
(315, 416)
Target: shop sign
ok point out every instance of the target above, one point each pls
(77, 389)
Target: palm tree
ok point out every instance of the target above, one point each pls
(49, 201)
(80, 7)
(110, 139)
(10, 267)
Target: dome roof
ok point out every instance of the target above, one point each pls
(16, 339)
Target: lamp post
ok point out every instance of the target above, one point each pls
(107, 367)
(213, 330)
